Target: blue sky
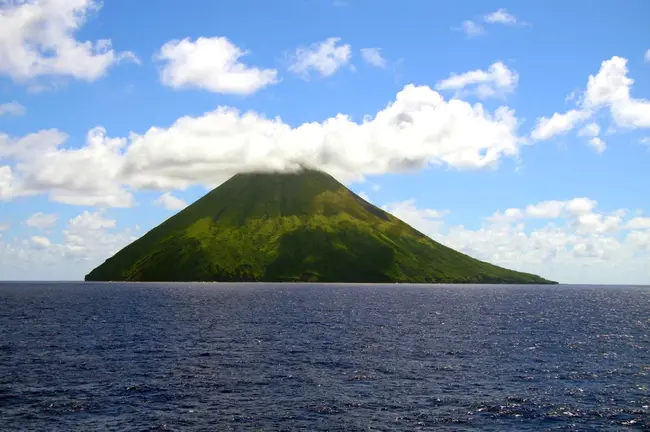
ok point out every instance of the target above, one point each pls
(517, 132)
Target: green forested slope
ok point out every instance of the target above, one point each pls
(290, 227)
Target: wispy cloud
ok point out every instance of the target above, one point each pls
(475, 27)
(373, 57)
(325, 58)
(472, 29)
(41, 220)
(497, 81)
(500, 16)
(12, 108)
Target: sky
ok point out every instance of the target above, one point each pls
(516, 132)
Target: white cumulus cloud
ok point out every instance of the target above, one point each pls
(496, 81)
(91, 237)
(85, 176)
(578, 245)
(37, 38)
(171, 202)
(581, 206)
(418, 129)
(558, 124)
(545, 209)
(507, 216)
(639, 223)
(426, 220)
(41, 242)
(610, 87)
(324, 58)
(212, 64)
(87, 240)
(41, 220)
(590, 130)
(9, 186)
(580, 211)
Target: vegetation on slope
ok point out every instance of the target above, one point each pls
(303, 226)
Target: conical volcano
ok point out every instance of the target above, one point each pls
(301, 226)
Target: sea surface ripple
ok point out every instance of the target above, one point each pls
(225, 357)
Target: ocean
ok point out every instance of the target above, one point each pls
(249, 357)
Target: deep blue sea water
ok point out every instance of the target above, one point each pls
(223, 357)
